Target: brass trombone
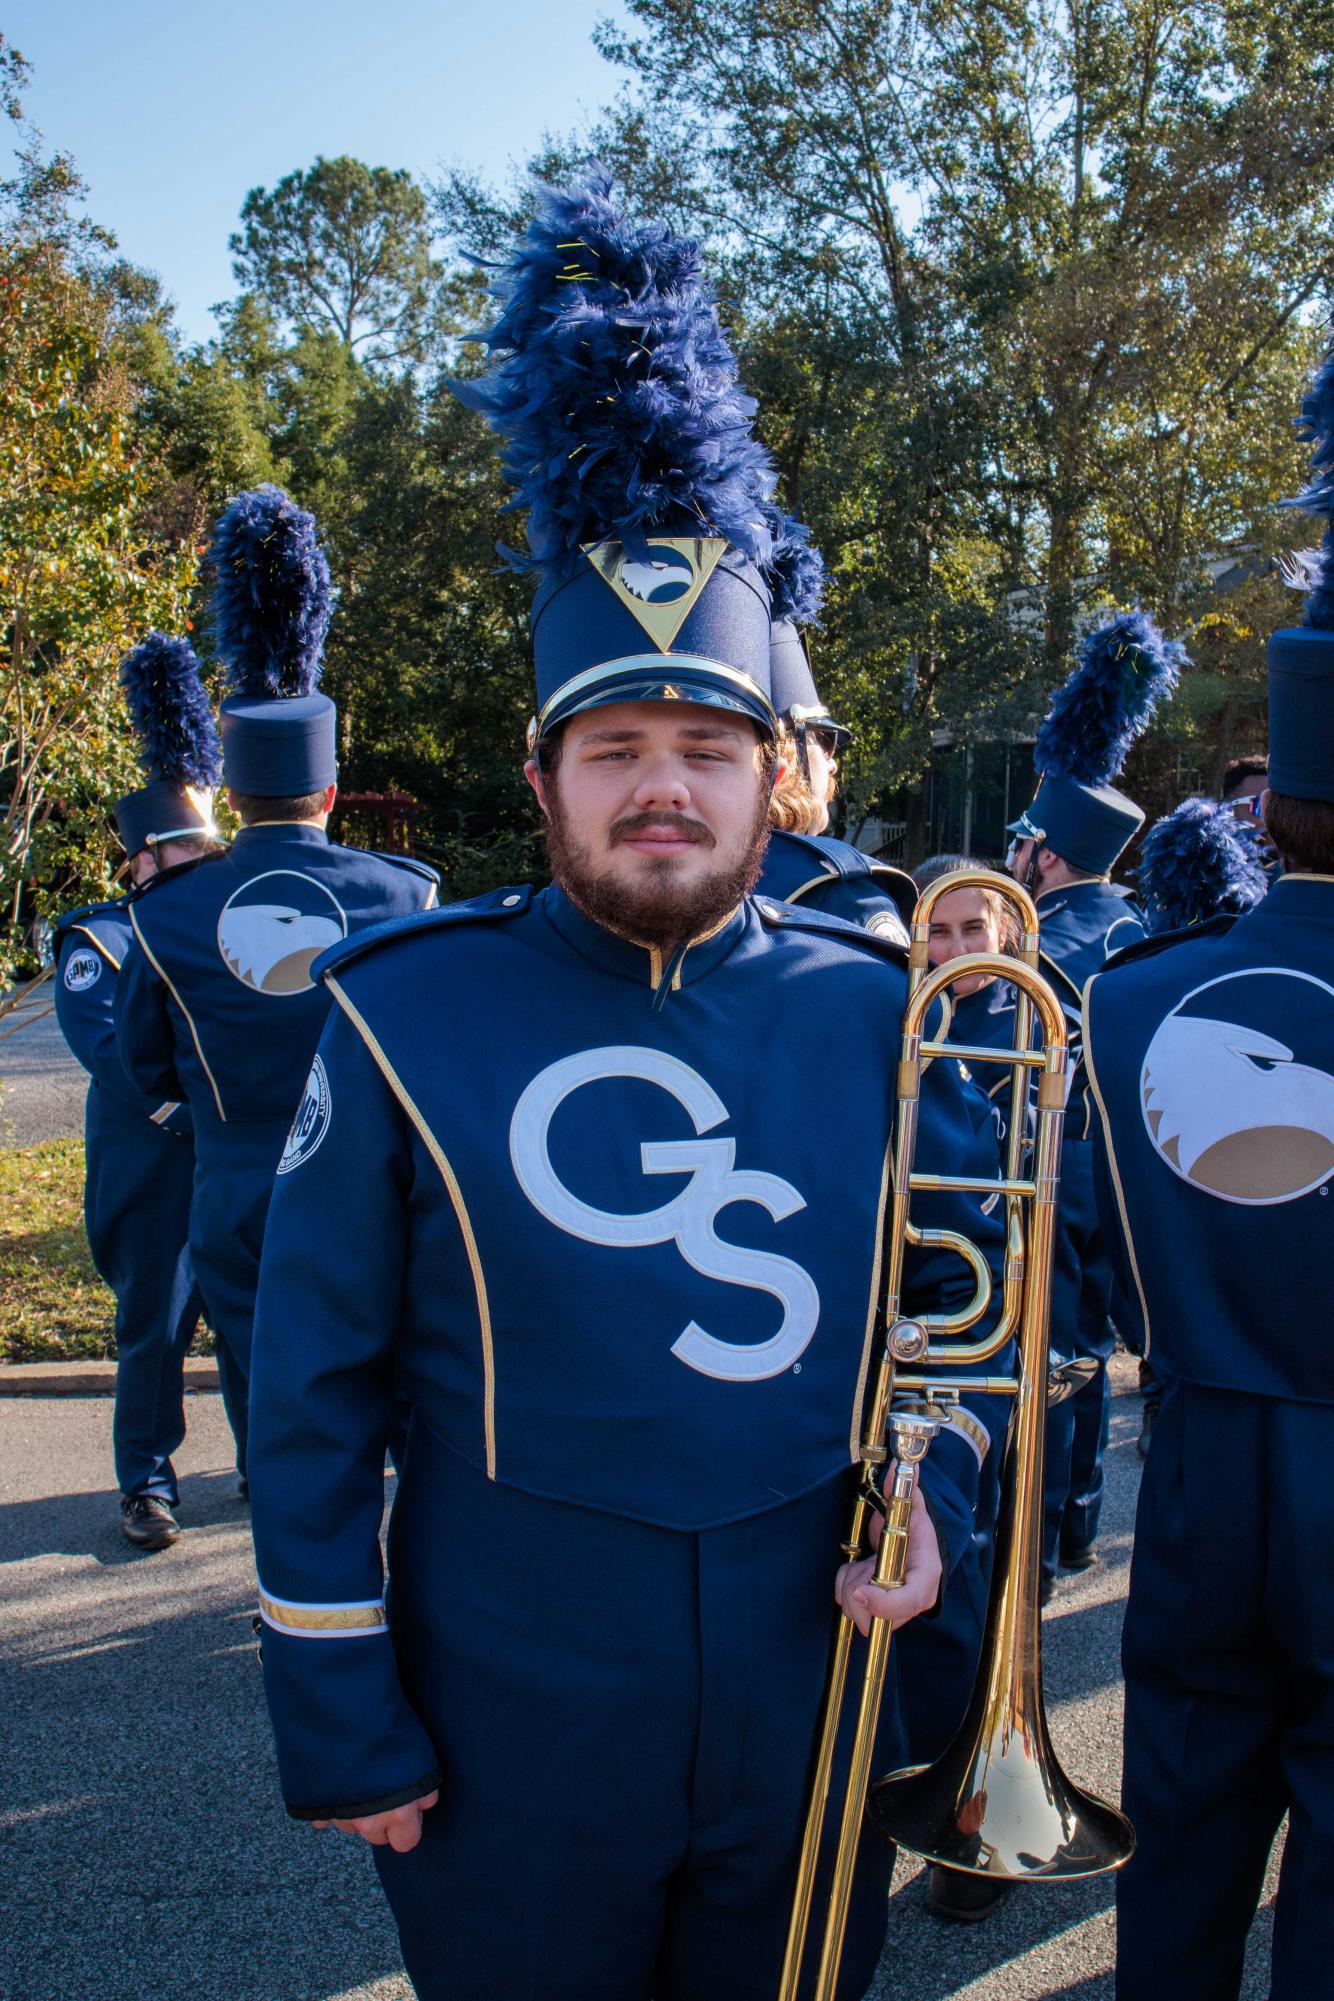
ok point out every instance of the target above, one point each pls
(997, 1802)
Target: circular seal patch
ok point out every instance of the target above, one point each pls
(83, 969)
(1236, 1093)
(273, 927)
(311, 1122)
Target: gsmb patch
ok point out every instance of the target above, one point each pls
(311, 1122)
(83, 969)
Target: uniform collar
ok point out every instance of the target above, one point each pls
(1299, 896)
(280, 832)
(645, 965)
(1066, 890)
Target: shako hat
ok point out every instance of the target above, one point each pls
(797, 581)
(1125, 669)
(629, 442)
(1301, 658)
(1199, 861)
(272, 602)
(178, 746)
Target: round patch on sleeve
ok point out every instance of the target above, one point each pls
(83, 969)
(311, 1122)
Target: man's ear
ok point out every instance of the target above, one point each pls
(532, 771)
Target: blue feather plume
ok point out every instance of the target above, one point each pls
(1125, 669)
(615, 389)
(272, 595)
(795, 571)
(1315, 426)
(1198, 862)
(171, 712)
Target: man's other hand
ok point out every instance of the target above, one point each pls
(401, 1827)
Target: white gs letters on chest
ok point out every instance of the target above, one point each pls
(688, 1219)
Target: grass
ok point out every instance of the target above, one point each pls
(53, 1306)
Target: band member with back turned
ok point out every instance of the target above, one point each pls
(1211, 1052)
(139, 1148)
(1064, 848)
(555, 1192)
(216, 1003)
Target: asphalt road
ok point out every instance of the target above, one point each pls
(146, 1850)
(42, 1088)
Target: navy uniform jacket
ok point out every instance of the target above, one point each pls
(1211, 1053)
(217, 1005)
(822, 873)
(92, 944)
(551, 1181)
(1081, 925)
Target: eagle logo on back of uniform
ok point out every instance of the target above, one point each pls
(1229, 1101)
(272, 929)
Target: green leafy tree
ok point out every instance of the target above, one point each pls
(344, 248)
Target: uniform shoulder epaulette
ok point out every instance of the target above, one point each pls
(1161, 941)
(496, 903)
(70, 919)
(799, 917)
(408, 862)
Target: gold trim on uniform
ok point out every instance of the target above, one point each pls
(93, 939)
(872, 1311)
(189, 1019)
(1111, 1162)
(460, 1208)
(347, 1621)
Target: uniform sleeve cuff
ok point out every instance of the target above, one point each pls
(359, 1809)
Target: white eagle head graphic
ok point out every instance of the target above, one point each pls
(270, 945)
(661, 580)
(1229, 1107)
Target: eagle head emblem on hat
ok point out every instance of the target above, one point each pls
(629, 442)
(1237, 1109)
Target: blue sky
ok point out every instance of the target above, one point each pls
(173, 111)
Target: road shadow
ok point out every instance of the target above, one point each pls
(89, 1524)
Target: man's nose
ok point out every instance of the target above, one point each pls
(662, 781)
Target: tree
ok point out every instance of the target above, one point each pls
(345, 249)
(82, 573)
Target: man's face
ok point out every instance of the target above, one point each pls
(1245, 797)
(656, 815)
(143, 864)
(1019, 859)
(822, 765)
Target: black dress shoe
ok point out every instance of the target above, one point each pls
(147, 1522)
(1046, 1588)
(243, 1489)
(1078, 1555)
(963, 1900)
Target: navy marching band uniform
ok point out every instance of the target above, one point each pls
(1124, 669)
(216, 1003)
(138, 1145)
(139, 1171)
(548, 1186)
(818, 870)
(1210, 1051)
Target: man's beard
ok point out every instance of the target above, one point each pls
(662, 908)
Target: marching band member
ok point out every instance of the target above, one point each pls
(1211, 1052)
(216, 1004)
(139, 1151)
(553, 1191)
(1065, 845)
(804, 863)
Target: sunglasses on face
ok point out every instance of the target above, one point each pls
(1248, 806)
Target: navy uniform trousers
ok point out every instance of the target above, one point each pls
(578, 1659)
(137, 1213)
(1229, 1665)
(1077, 1428)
